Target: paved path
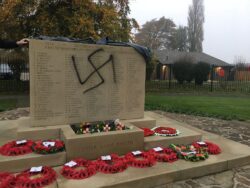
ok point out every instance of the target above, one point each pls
(234, 130)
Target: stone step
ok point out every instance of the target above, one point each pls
(23, 162)
(233, 155)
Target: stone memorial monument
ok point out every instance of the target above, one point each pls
(72, 82)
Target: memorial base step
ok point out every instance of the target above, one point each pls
(26, 131)
(233, 155)
(23, 162)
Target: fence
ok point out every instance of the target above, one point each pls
(221, 79)
(14, 75)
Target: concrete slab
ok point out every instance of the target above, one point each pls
(23, 162)
(26, 131)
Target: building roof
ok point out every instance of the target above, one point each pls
(169, 57)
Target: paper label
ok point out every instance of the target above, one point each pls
(158, 149)
(49, 144)
(21, 142)
(201, 143)
(136, 152)
(36, 169)
(70, 164)
(106, 158)
(190, 153)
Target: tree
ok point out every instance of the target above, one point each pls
(195, 26)
(156, 34)
(201, 72)
(180, 39)
(183, 70)
(69, 18)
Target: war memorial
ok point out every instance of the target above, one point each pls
(88, 128)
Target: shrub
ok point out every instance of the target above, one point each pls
(201, 72)
(183, 70)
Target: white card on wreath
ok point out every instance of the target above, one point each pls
(201, 143)
(70, 164)
(21, 142)
(136, 153)
(49, 144)
(106, 158)
(36, 169)
(157, 149)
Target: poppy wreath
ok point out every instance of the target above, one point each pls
(7, 180)
(210, 147)
(14, 149)
(165, 155)
(74, 173)
(143, 160)
(166, 131)
(40, 148)
(148, 132)
(115, 165)
(45, 177)
(189, 153)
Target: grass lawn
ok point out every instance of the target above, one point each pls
(7, 104)
(224, 107)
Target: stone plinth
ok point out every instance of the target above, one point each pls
(92, 146)
(26, 131)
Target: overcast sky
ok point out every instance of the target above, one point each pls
(226, 27)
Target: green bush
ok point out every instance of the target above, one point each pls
(201, 72)
(183, 70)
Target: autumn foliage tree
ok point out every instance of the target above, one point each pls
(69, 18)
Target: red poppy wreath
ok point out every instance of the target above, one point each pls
(78, 169)
(164, 154)
(7, 180)
(140, 159)
(110, 164)
(166, 131)
(15, 148)
(34, 178)
(210, 147)
(48, 146)
(148, 132)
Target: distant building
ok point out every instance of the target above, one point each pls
(166, 58)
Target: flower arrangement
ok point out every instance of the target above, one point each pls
(97, 127)
(164, 154)
(48, 146)
(111, 164)
(210, 147)
(36, 179)
(15, 148)
(189, 152)
(7, 180)
(140, 159)
(166, 131)
(148, 132)
(78, 169)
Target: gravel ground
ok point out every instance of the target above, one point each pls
(234, 130)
